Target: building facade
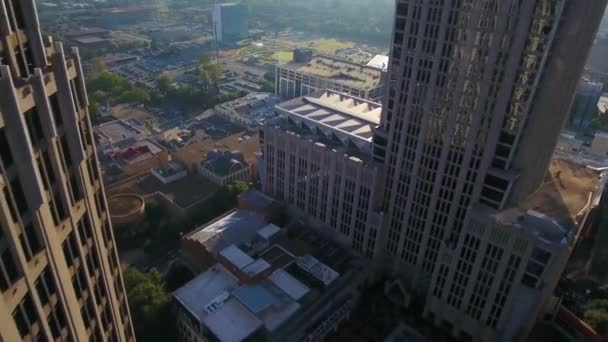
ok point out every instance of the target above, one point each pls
(317, 158)
(59, 270)
(323, 72)
(231, 22)
(478, 93)
(585, 106)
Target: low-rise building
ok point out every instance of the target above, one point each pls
(251, 110)
(138, 157)
(171, 172)
(225, 167)
(200, 247)
(268, 286)
(113, 18)
(116, 134)
(322, 72)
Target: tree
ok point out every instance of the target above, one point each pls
(99, 65)
(205, 59)
(204, 77)
(150, 306)
(137, 95)
(596, 315)
(163, 83)
(86, 53)
(215, 72)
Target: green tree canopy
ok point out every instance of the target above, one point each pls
(205, 59)
(150, 306)
(163, 84)
(215, 72)
(596, 315)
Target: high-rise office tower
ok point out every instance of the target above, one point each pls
(230, 22)
(478, 93)
(59, 274)
(584, 108)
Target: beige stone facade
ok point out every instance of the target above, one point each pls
(59, 272)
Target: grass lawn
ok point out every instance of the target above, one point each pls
(283, 56)
(330, 46)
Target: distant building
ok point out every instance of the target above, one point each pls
(169, 173)
(602, 104)
(265, 286)
(199, 248)
(92, 42)
(250, 110)
(139, 157)
(302, 55)
(322, 72)
(113, 18)
(585, 105)
(379, 62)
(111, 61)
(231, 22)
(116, 134)
(317, 157)
(224, 167)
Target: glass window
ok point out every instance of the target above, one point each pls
(5, 153)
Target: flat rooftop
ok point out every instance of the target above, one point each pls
(379, 62)
(249, 289)
(207, 297)
(90, 40)
(347, 73)
(186, 192)
(138, 151)
(330, 110)
(567, 189)
(234, 228)
(116, 131)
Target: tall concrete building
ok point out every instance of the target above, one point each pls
(478, 93)
(59, 273)
(230, 22)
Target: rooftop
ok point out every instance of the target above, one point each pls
(170, 169)
(256, 199)
(233, 306)
(348, 73)
(332, 111)
(379, 62)
(90, 40)
(255, 106)
(207, 297)
(224, 163)
(567, 190)
(235, 228)
(116, 131)
(185, 193)
(138, 151)
(602, 104)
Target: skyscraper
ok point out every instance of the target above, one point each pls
(230, 22)
(584, 108)
(59, 273)
(478, 93)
